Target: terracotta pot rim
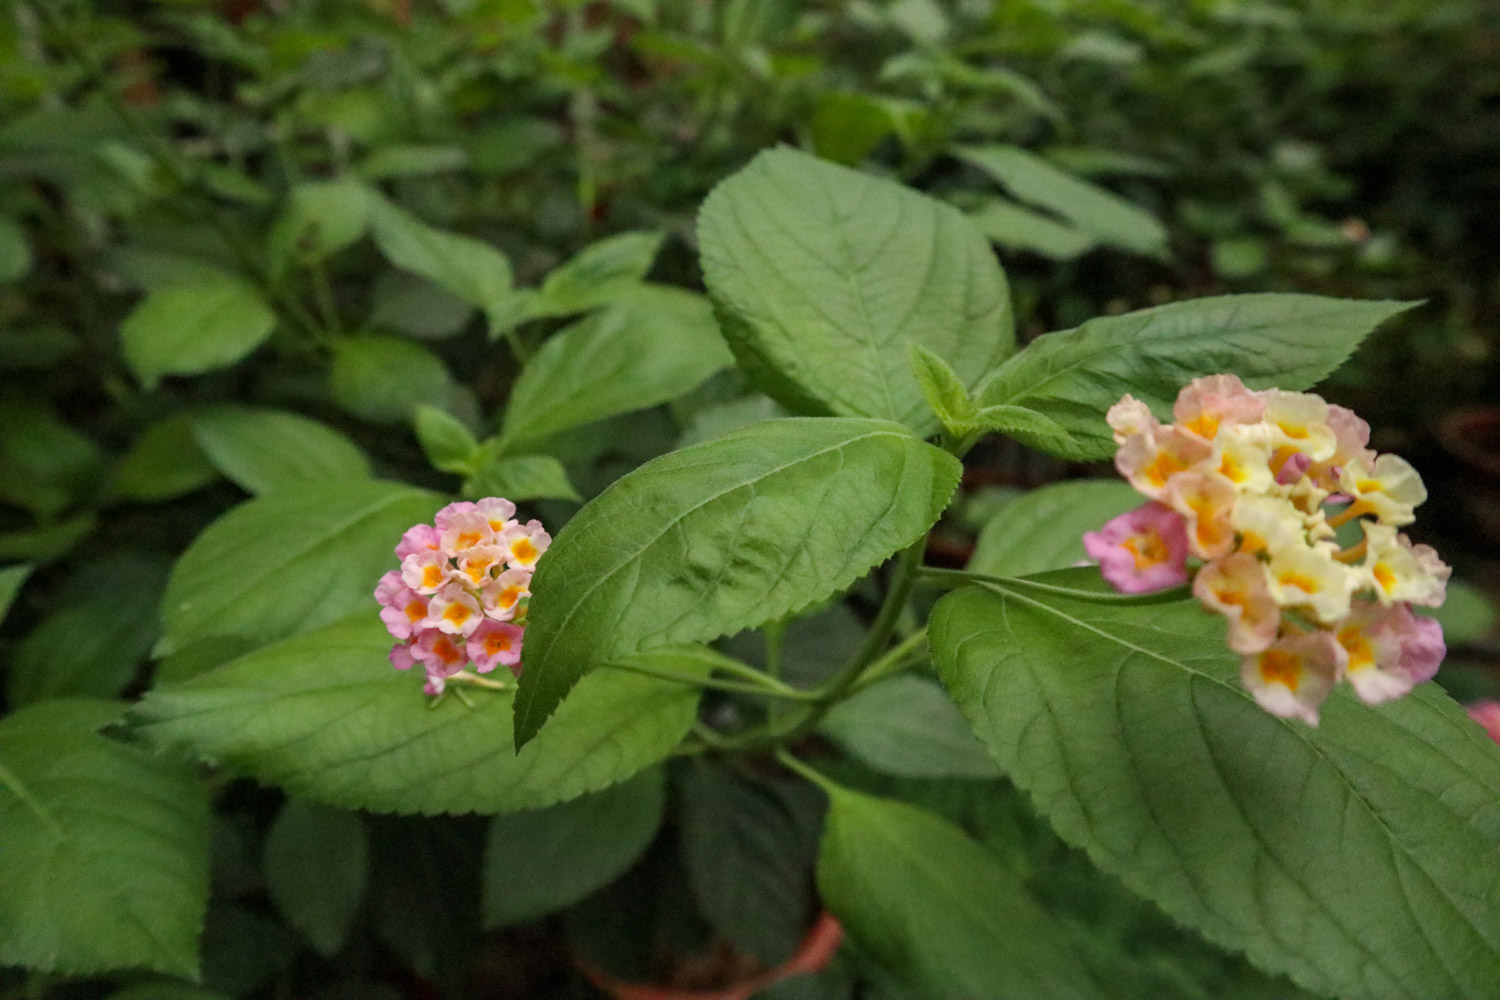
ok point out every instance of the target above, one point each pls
(813, 955)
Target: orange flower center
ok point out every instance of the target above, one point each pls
(1148, 550)
(1277, 666)
(1357, 646)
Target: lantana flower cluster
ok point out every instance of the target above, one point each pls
(461, 593)
(1247, 491)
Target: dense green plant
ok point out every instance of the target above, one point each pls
(277, 282)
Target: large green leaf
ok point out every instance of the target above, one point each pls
(290, 561)
(908, 726)
(939, 910)
(822, 274)
(1092, 210)
(540, 860)
(194, 327)
(1074, 376)
(1043, 529)
(317, 862)
(1359, 857)
(105, 857)
(652, 345)
(326, 717)
(265, 450)
(722, 536)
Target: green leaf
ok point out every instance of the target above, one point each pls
(164, 462)
(723, 536)
(1018, 228)
(908, 726)
(1074, 376)
(598, 274)
(822, 274)
(539, 861)
(939, 910)
(269, 450)
(519, 477)
(411, 161)
(1098, 213)
(1043, 529)
(471, 269)
(15, 252)
(846, 127)
(1467, 615)
(652, 345)
(105, 864)
(1358, 857)
(96, 637)
(324, 716)
(415, 307)
(749, 862)
(945, 392)
(447, 443)
(46, 462)
(320, 218)
(45, 544)
(1023, 423)
(290, 561)
(317, 861)
(384, 379)
(12, 579)
(166, 990)
(194, 327)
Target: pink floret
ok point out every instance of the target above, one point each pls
(418, 538)
(388, 589)
(401, 657)
(444, 518)
(1487, 714)
(1142, 550)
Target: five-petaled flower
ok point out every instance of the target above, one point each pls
(461, 592)
(1247, 491)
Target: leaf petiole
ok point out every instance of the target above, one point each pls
(960, 577)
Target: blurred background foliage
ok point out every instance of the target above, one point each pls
(306, 180)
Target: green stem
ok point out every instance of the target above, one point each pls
(323, 295)
(793, 763)
(960, 577)
(895, 661)
(908, 565)
(474, 680)
(691, 680)
(775, 634)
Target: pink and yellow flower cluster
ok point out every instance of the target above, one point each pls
(1247, 491)
(460, 595)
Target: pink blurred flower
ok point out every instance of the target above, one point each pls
(1141, 550)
